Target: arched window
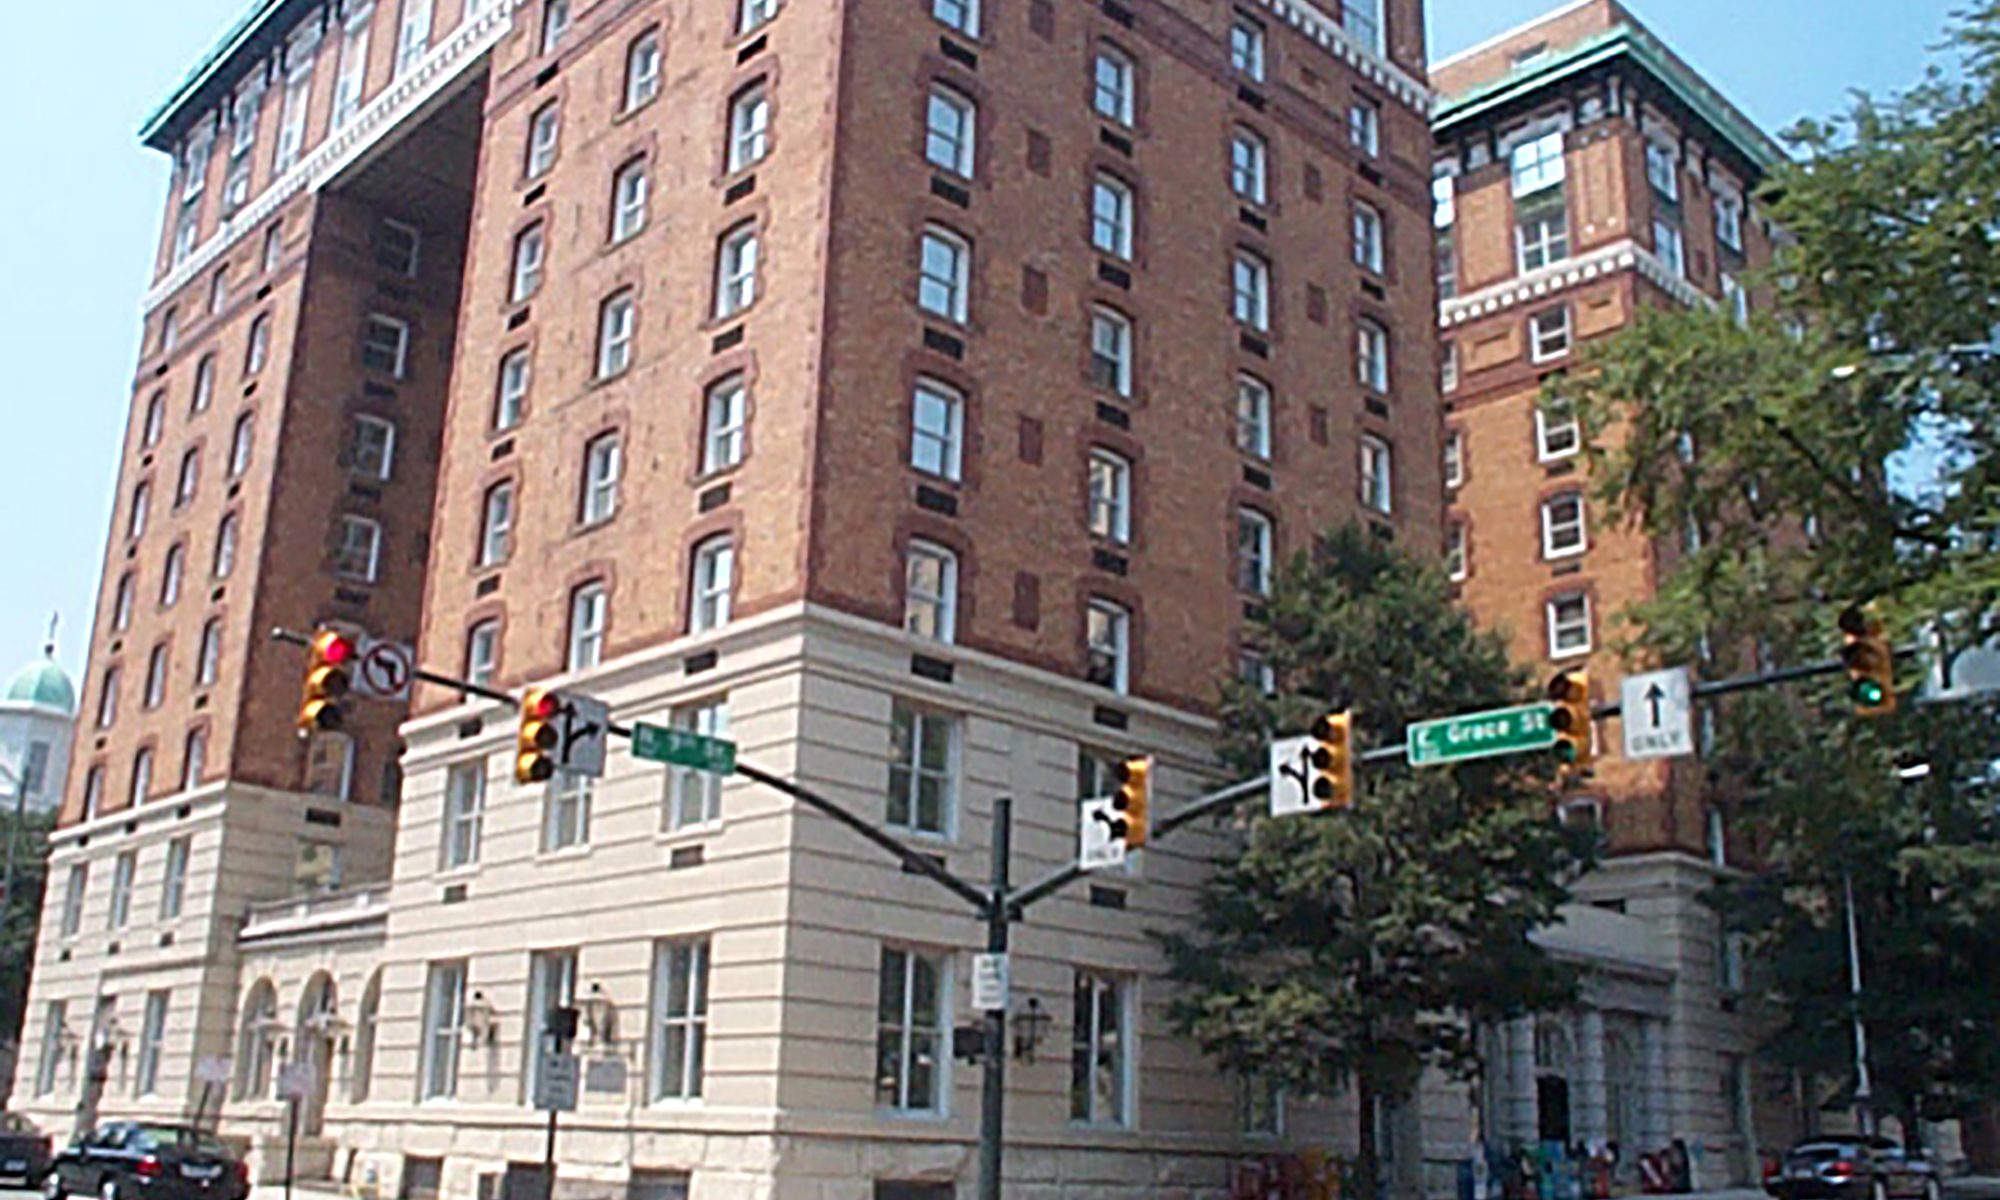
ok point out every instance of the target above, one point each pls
(256, 1041)
(362, 1072)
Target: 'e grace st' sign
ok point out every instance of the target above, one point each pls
(1480, 735)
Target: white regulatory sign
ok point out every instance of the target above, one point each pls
(296, 1080)
(1291, 777)
(585, 724)
(211, 1069)
(1097, 845)
(555, 1083)
(989, 982)
(383, 670)
(1656, 711)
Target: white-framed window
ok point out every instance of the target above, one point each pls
(754, 13)
(1249, 162)
(413, 35)
(274, 247)
(1363, 20)
(923, 751)
(530, 246)
(617, 320)
(1250, 290)
(725, 423)
(937, 429)
(1107, 637)
(555, 23)
(510, 396)
(714, 581)
(1111, 216)
(680, 1020)
(962, 15)
(1115, 84)
(1663, 169)
(749, 127)
(93, 790)
(121, 602)
(173, 881)
(188, 479)
(1371, 355)
(589, 612)
(1542, 237)
(566, 812)
(736, 271)
(1557, 432)
(1260, 1105)
(1111, 350)
(930, 591)
(951, 122)
(642, 69)
(74, 891)
(482, 651)
(631, 190)
(107, 697)
(464, 814)
(1368, 238)
(694, 797)
(225, 546)
(194, 758)
(1448, 368)
(1256, 671)
(155, 422)
(208, 659)
(1735, 299)
(1255, 552)
(1729, 219)
(1457, 554)
(1569, 625)
(603, 461)
(292, 115)
(912, 1059)
(156, 676)
(1378, 492)
(218, 290)
(1538, 163)
(1110, 492)
(242, 440)
(359, 552)
(1253, 416)
(544, 133)
(944, 274)
(187, 232)
(1563, 531)
(53, 1017)
(373, 451)
(204, 385)
(152, 1037)
(1667, 244)
(1454, 458)
(123, 872)
(496, 524)
(257, 350)
(551, 985)
(353, 77)
(385, 344)
(1246, 47)
(171, 574)
(1548, 334)
(1364, 128)
(1715, 835)
(1100, 1072)
(444, 1023)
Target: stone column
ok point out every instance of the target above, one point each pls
(1592, 1118)
(1654, 1106)
(1518, 1101)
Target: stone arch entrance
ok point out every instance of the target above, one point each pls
(1553, 1059)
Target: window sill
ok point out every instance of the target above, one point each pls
(689, 833)
(1560, 655)
(564, 853)
(458, 874)
(920, 1116)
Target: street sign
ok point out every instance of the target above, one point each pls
(555, 1082)
(1291, 777)
(295, 1080)
(989, 982)
(1480, 735)
(384, 669)
(1656, 711)
(1097, 845)
(683, 748)
(211, 1069)
(584, 722)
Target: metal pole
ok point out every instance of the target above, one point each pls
(555, 1047)
(1863, 1086)
(993, 1100)
(291, 1143)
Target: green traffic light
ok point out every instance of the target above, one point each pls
(1868, 693)
(1565, 752)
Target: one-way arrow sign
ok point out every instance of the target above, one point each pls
(1657, 712)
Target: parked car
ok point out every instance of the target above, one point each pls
(24, 1149)
(142, 1160)
(1854, 1169)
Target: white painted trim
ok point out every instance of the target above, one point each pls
(1335, 40)
(1626, 255)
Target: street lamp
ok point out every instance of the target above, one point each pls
(1863, 1090)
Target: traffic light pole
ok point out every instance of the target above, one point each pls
(1000, 909)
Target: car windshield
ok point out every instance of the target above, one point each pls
(180, 1137)
(1822, 1151)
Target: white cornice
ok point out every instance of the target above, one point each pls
(1336, 41)
(1624, 255)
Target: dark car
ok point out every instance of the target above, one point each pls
(24, 1149)
(1854, 1169)
(138, 1160)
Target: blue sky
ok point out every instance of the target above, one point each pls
(79, 221)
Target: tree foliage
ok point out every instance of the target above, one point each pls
(22, 917)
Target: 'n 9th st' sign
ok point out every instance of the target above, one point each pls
(1480, 735)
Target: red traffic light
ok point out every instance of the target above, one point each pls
(333, 648)
(540, 706)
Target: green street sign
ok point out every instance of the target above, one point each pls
(1481, 735)
(680, 748)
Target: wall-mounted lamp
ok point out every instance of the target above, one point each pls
(1029, 1025)
(479, 1020)
(600, 1015)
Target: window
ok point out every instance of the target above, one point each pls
(1364, 128)
(156, 676)
(1112, 95)
(630, 190)
(398, 247)
(1729, 220)
(1371, 355)
(1448, 368)
(1107, 630)
(1715, 834)
(1261, 1105)
(172, 572)
(413, 35)
(152, 1035)
(1253, 416)
(1538, 163)
(204, 385)
(936, 429)
(642, 70)
(962, 15)
(353, 77)
(616, 319)
(529, 247)
(292, 115)
(1663, 170)
(241, 442)
(602, 466)
(359, 553)
(714, 578)
(1456, 557)
(680, 1019)
(209, 658)
(736, 271)
(1363, 20)
(1254, 552)
(259, 346)
(1100, 1052)
(93, 791)
(566, 812)
(225, 546)
(482, 652)
(589, 612)
(53, 1018)
(1111, 351)
(173, 884)
(950, 121)
(1548, 334)
(544, 128)
(1250, 291)
(444, 1019)
(749, 127)
(1445, 260)
(73, 894)
(1569, 625)
(107, 698)
(1111, 216)
(551, 985)
(155, 422)
(122, 873)
(496, 524)
(1735, 299)
(1247, 166)
(1377, 486)
(1667, 244)
(1542, 236)
(944, 272)
(930, 591)
(1557, 434)
(555, 23)
(725, 418)
(1110, 510)
(464, 814)
(121, 602)
(1246, 47)
(374, 447)
(194, 758)
(511, 393)
(1454, 458)
(1368, 238)
(1562, 525)
(910, 1035)
(695, 797)
(921, 786)
(754, 13)
(170, 329)
(188, 478)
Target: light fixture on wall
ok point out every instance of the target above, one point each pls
(600, 1015)
(479, 1020)
(1029, 1025)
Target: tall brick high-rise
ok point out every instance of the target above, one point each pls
(917, 391)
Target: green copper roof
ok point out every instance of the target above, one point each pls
(43, 683)
(1625, 41)
(253, 27)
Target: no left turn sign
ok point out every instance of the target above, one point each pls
(384, 670)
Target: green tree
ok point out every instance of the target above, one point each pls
(20, 918)
(1358, 947)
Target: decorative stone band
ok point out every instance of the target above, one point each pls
(407, 94)
(1335, 39)
(1571, 272)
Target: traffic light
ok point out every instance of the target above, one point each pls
(1871, 665)
(535, 748)
(1569, 691)
(1133, 801)
(331, 656)
(1333, 760)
